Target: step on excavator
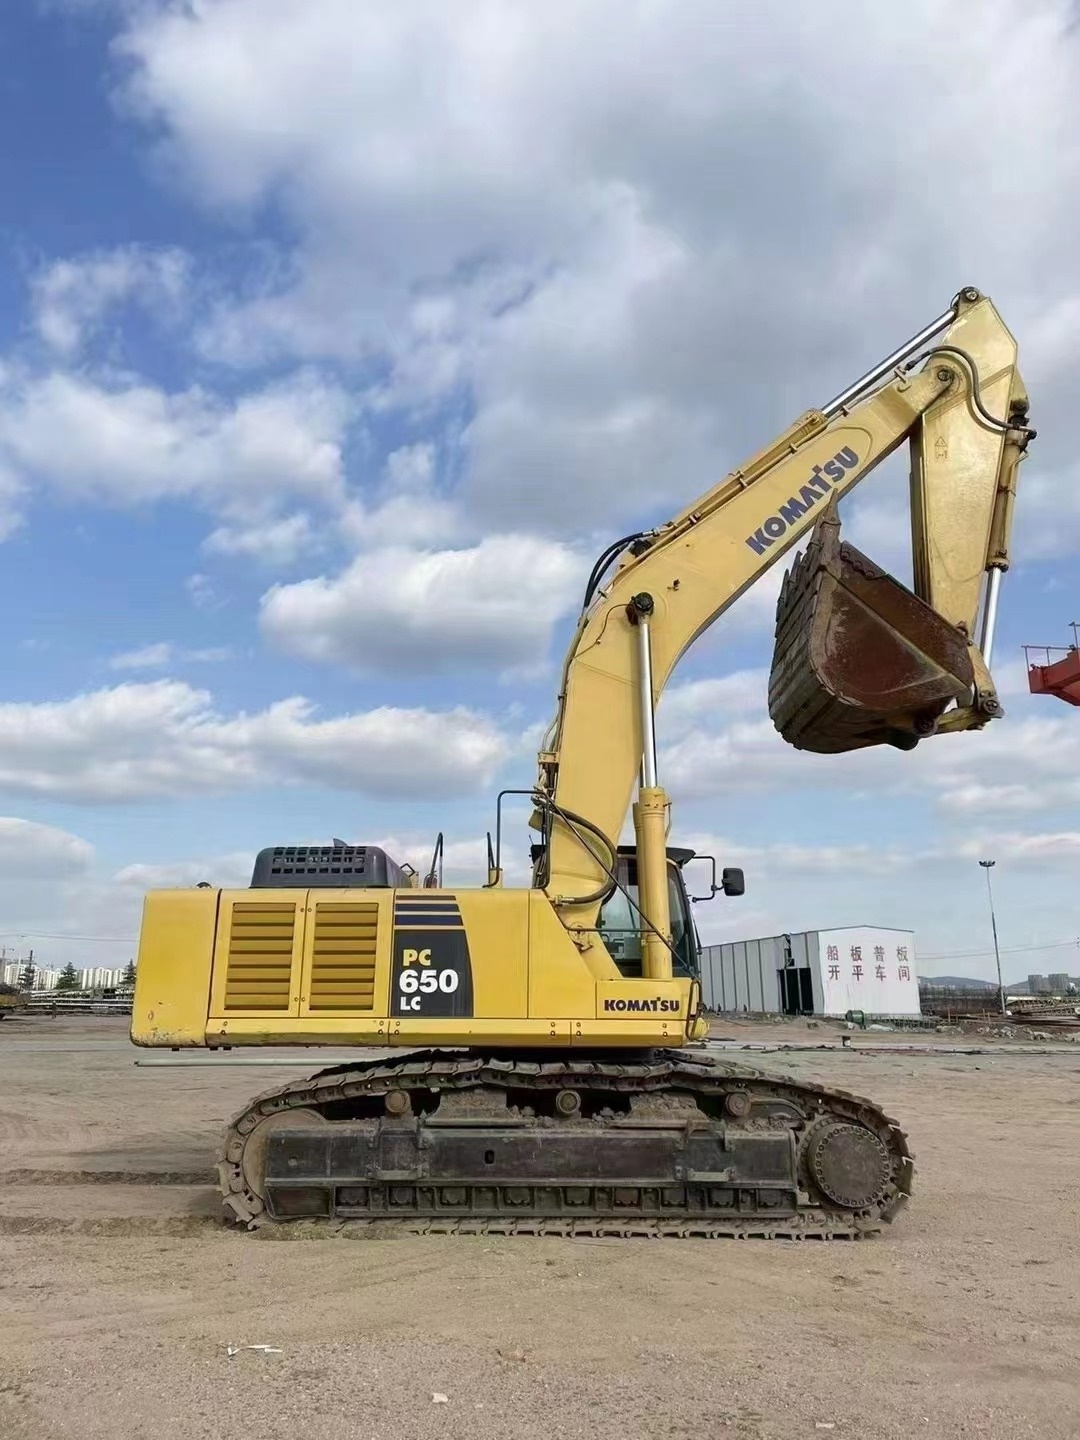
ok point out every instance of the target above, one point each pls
(533, 1059)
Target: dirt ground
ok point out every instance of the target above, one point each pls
(121, 1294)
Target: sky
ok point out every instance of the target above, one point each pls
(337, 340)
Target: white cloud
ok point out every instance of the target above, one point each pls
(404, 520)
(72, 297)
(1011, 680)
(163, 653)
(410, 470)
(477, 212)
(406, 507)
(787, 858)
(1027, 762)
(10, 499)
(147, 657)
(164, 738)
(491, 606)
(47, 886)
(201, 592)
(561, 269)
(1048, 509)
(130, 444)
(929, 885)
(54, 899)
(538, 288)
(684, 706)
(229, 872)
(464, 862)
(789, 886)
(1050, 850)
(274, 543)
(30, 849)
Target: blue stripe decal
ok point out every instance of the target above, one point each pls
(420, 914)
(428, 922)
(419, 910)
(429, 906)
(426, 912)
(438, 925)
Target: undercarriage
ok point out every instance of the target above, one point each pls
(653, 1143)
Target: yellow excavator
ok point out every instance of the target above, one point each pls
(531, 1059)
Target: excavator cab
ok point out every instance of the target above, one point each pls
(620, 925)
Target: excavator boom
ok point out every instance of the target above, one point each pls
(859, 659)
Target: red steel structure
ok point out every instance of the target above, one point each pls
(1060, 677)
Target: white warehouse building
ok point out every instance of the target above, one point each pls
(814, 972)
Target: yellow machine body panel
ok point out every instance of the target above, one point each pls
(175, 968)
(386, 967)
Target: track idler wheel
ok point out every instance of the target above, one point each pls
(849, 1165)
(243, 1168)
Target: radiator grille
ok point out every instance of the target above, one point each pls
(259, 971)
(343, 956)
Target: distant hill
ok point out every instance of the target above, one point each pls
(959, 982)
(965, 982)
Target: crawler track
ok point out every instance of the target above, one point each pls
(658, 1143)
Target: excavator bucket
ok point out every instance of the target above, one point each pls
(859, 659)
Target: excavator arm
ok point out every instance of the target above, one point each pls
(859, 659)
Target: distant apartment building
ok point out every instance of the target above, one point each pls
(1038, 985)
(46, 978)
(99, 978)
(1059, 983)
(14, 970)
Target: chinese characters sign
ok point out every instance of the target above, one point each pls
(868, 969)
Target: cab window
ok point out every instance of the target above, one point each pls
(619, 924)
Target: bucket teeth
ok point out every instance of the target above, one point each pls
(859, 659)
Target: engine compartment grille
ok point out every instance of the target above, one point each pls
(258, 973)
(343, 951)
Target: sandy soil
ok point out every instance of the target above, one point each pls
(121, 1293)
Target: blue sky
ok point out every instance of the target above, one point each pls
(335, 341)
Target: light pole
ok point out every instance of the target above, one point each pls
(987, 865)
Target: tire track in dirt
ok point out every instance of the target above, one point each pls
(107, 1177)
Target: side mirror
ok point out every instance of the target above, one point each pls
(732, 881)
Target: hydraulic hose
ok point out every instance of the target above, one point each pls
(604, 561)
(572, 822)
(976, 396)
(569, 818)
